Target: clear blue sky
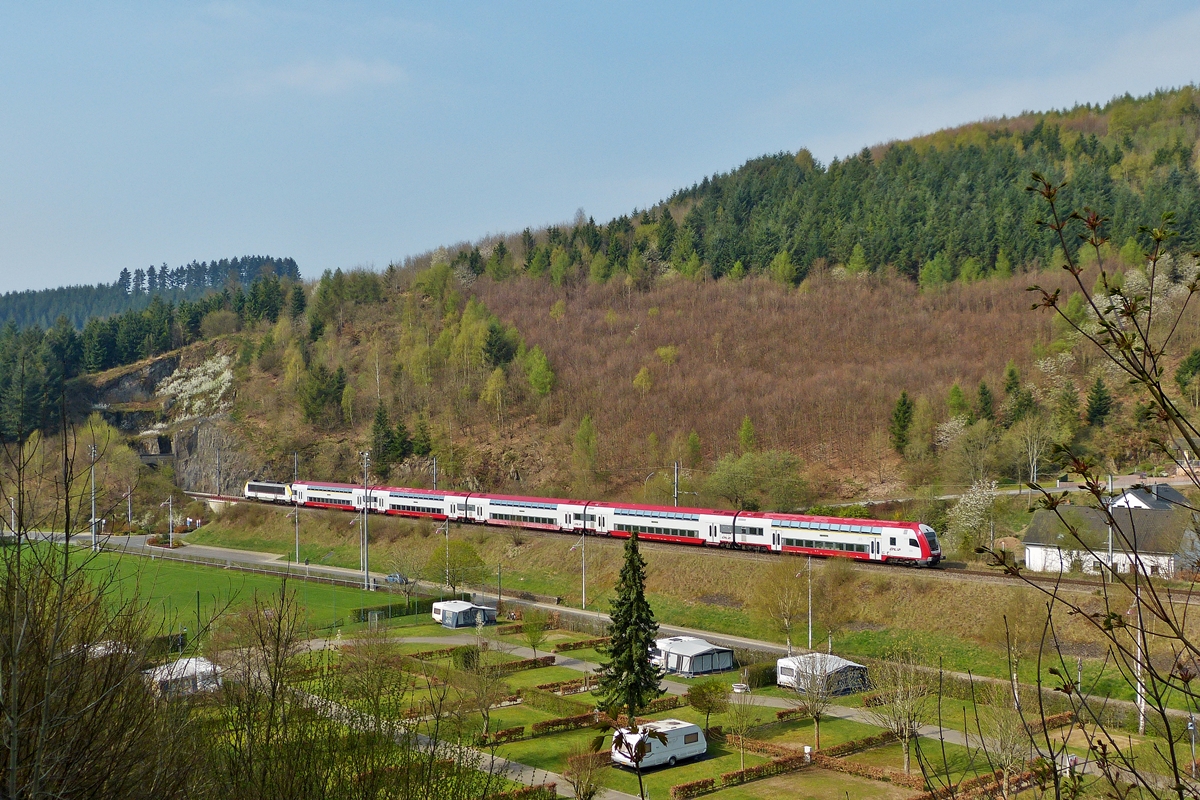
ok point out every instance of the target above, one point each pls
(356, 134)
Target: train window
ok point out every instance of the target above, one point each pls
(892, 541)
(913, 543)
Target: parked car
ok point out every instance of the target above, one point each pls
(397, 578)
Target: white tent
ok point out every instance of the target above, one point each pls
(688, 655)
(839, 675)
(185, 676)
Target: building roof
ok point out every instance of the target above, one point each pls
(1149, 531)
(687, 646)
(1157, 496)
(454, 605)
(826, 663)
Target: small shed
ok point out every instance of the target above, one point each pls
(461, 614)
(689, 655)
(837, 675)
(185, 676)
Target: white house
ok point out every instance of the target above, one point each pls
(1164, 541)
(688, 655)
(1155, 497)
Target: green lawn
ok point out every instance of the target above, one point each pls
(533, 677)
(816, 784)
(800, 732)
(955, 761)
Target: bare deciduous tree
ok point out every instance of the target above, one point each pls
(902, 699)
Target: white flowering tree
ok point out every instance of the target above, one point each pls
(971, 518)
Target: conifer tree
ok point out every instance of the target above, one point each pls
(422, 441)
(381, 442)
(986, 404)
(692, 452)
(298, 302)
(627, 678)
(902, 416)
(1012, 379)
(1099, 404)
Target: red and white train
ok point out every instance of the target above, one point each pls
(885, 541)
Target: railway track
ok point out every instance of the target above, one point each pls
(943, 571)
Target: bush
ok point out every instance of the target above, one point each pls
(665, 703)
(546, 791)
(760, 675)
(564, 724)
(502, 736)
(466, 657)
(790, 713)
(517, 666)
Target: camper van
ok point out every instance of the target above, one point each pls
(683, 740)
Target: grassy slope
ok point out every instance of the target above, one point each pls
(959, 623)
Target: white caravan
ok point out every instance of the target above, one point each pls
(683, 740)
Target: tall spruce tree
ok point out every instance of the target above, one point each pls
(902, 416)
(627, 677)
(1099, 403)
(986, 403)
(382, 442)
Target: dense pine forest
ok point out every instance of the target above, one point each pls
(134, 291)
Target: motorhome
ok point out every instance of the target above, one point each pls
(684, 740)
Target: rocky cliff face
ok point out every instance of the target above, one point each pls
(174, 409)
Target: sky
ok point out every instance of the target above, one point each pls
(348, 135)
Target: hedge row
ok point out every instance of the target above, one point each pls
(968, 788)
(582, 644)
(1057, 720)
(684, 791)
(552, 703)
(858, 745)
(584, 684)
(545, 791)
(768, 749)
(897, 777)
(502, 736)
(760, 675)
(666, 703)
(564, 724)
(777, 766)
(790, 713)
(509, 667)
(430, 655)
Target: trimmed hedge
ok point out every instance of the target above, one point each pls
(583, 644)
(502, 736)
(684, 791)
(545, 791)
(576, 686)
(777, 766)
(858, 745)
(665, 703)
(564, 724)
(509, 667)
(768, 749)
(552, 703)
(790, 713)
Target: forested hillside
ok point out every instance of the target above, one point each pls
(790, 332)
(133, 291)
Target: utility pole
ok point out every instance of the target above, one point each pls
(366, 558)
(446, 528)
(218, 471)
(582, 544)
(435, 475)
(92, 469)
(499, 587)
(677, 483)
(295, 501)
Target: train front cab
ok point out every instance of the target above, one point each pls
(931, 548)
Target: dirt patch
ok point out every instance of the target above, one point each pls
(719, 599)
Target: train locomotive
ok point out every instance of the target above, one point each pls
(882, 541)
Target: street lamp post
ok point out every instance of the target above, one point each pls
(446, 529)
(366, 558)
(92, 470)
(809, 570)
(582, 545)
(295, 500)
